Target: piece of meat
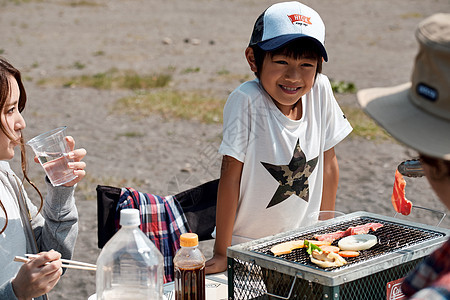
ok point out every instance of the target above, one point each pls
(399, 201)
(357, 230)
(330, 237)
(375, 226)
(360, 229)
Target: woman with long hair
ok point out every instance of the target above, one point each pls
(49, 230)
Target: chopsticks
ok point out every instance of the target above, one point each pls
(70, 264)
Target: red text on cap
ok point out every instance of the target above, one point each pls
(299, 18)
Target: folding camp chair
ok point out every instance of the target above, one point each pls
(198, 205)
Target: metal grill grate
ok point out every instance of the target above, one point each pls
(391, 237)
(255, 273)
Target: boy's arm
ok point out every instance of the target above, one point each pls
(330, 180)
(227, 200)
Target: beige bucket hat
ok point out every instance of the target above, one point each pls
(418, 113)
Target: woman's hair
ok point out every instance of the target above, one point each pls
(7, 71)
(296, 49)
(440, 169)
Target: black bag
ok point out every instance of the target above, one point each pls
(107, 199)
(198, 204)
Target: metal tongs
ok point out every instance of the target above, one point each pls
(411, 168)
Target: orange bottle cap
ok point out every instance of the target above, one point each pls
(189, 240)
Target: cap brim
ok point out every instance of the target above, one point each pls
(279, 41)
(392, 109)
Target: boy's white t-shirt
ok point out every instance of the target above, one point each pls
(282, 176)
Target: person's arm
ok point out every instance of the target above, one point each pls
(227, 201)
(57, 227)
(6, 291)
(330, 180)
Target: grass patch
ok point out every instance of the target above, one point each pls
(130, 134)
(224, 74)
(194, 105)
(343, 87)
(411, 15)
(99, 53)
(78, 65)
(81, 3)
(363, 125)
(112, 79)
(191, 70)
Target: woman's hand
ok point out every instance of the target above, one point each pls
(38, 276)
(77, 165)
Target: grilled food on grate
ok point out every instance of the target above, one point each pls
(348, 253)
(353, 240)
(358, 242)
(327, 259)
(287, 247)
(352, 230)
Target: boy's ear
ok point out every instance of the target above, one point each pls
(250, 56)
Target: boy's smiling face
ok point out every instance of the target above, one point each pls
(286, 79)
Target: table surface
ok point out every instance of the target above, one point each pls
(216, 287)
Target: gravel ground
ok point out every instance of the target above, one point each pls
(370, 43)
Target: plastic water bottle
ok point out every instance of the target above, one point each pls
(189, 263)
(129, 266)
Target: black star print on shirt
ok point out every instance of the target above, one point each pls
(293, 178)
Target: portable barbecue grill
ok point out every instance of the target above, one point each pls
(255, 273)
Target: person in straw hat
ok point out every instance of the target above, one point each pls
(418, 115)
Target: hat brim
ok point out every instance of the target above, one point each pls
(279, 41)
(393, 110)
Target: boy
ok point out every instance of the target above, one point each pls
(418, 115)
(280, 130)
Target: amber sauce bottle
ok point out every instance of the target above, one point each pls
(189, 263)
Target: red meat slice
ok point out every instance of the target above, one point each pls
(399, 201)
(360, 229)
(330, 237)
(363, 229)
(375, 226)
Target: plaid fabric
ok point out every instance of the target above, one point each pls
(162, 220)
(431, 279)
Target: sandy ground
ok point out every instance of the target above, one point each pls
(369, 43)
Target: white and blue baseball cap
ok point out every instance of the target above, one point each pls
(284, 22)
